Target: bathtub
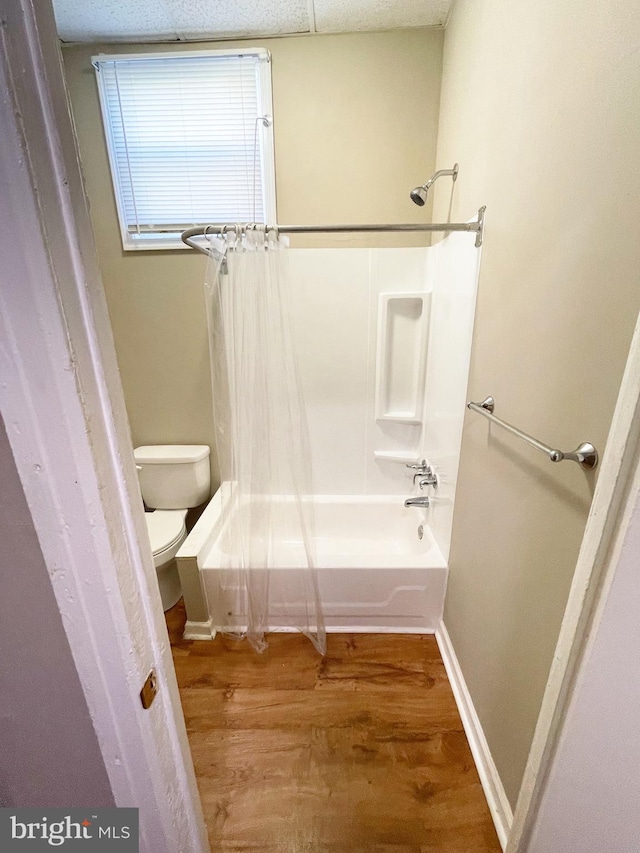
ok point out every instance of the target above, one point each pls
(379, 566)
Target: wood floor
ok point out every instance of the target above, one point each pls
(361, 751)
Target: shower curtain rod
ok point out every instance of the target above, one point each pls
(475, 227)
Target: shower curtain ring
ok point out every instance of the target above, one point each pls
(227, 230)
(261, 229)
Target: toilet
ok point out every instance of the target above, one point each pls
(173, 478)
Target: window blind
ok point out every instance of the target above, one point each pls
(186, 140)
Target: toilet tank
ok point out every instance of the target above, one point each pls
(173, 476)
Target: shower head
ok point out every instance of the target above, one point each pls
(418, 195)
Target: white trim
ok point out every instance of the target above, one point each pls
(589, 796)
(113, 163)
(378, 629)
(198, 630)
(497, 801)
(594, 567)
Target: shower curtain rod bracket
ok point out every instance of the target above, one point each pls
(480, 224)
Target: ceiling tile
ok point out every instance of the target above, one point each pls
(113, 20)
(168, 20)
(194, 19)
(334, 16)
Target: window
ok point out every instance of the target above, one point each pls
(190, 141)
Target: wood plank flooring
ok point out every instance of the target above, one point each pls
(361, 751)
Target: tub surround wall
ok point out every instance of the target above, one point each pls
(343, 368)
(335, 312)
(343, 105)
(541, 108)
(455, 264)
(345, 374)
(383, 384)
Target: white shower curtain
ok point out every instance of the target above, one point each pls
(262, 442)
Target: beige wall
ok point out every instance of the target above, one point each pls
(355, 129)
(541, 108)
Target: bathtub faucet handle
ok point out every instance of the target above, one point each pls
(425, 475)
(430, 479)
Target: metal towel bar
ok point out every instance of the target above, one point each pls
(585, 455)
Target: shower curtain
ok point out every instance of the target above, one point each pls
(262, 441)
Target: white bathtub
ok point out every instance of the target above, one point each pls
(375, 573)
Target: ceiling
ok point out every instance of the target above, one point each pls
(192, 20)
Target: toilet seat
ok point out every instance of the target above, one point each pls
(165, 528)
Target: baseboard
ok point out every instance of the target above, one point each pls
(198, 630)
(499, 805)
(378, 629)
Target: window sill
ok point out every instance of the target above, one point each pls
(150, 243)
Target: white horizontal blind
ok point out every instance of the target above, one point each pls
(186, 141)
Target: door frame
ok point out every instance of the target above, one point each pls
(63, 407)
(607, 526)
(64, 410)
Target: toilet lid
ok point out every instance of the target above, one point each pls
(164, 526)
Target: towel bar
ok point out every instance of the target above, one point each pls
(585, 454)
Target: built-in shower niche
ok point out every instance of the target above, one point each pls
(401, 356)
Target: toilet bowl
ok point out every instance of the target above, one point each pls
(173, 478)
(167, 532)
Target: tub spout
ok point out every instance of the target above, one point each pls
(419, 501)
